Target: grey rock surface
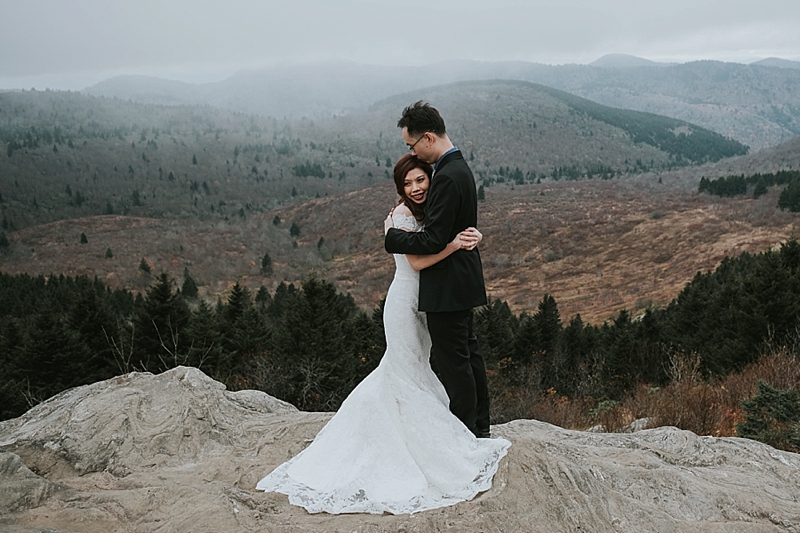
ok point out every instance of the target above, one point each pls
(177, 452)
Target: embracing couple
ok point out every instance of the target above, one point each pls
(404, 440)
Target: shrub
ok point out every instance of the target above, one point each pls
(772, 416)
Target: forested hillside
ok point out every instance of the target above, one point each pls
(69, 155)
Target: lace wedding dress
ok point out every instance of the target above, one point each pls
(393, 446)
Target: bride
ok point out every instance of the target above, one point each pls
(394, 446)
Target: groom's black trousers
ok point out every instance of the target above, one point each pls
(461, 367)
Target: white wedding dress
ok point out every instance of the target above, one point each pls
(393, 446)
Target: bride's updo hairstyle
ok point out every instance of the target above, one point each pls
(404, 165)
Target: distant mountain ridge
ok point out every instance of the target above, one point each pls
(777, 62)
(626, 60)
(758, 105)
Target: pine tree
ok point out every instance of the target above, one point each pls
(760, 189)
(95, 324)
(577, 369)
(53, 357)
(205, 343)
(262, 299)
(159, 327)
(84, 239)
(242, 329)
(790, 196)
(495, 327)
(12, 400)
(189, 287)
(266, 264)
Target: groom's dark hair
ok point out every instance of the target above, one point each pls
(420, 118)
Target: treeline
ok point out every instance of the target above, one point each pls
(311, 345)
(726, 317)
(307, 345)
(759, 184)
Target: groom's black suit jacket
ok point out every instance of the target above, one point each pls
(455, 283)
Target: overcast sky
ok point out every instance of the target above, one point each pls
(70, 44)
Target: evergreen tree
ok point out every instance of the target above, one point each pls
(547, 321)
(760, 189)
(205, 343)
(95, 324)
(495, 327)
(230, 319)
(247, 341)
(266, 264)
(53, 357)
(12, 399)
(772, 417)
(285, 297)
(526, 340)
(547, 324)
(294, 231)
(577, 367)
(790, 196)
(189, 287)
(369, 342)
(238, 303)
(109, 253)
(84, 239)
(262, 299)
(159, 324)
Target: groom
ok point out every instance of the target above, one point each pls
(449, 289)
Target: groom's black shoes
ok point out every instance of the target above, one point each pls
(483, 434)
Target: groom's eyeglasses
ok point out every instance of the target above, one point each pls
(411, 147)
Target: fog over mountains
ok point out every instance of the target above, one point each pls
(757, 104)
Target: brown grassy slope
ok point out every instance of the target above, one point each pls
(596, 246)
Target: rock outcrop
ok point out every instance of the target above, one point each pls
(177, 452)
